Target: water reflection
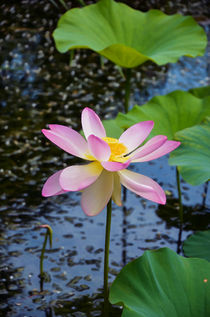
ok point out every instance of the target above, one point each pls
(195, 217)
(39, 87)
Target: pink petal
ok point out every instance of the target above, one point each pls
(78, 177)
(116, 195)
(152, 145)
(52, 186)
(142, 186)
(99, 148)
(96, 196)
(136, 134)
(167, 147)
(67, 139)
(115, 166)
(92, 124)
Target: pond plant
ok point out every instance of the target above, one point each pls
(48, 237)
(160, 282)
(129, 37)
(190, 125)
(197, 245)
(100, 180)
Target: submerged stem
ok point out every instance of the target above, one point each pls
(126, 105)
(205, 193)
(63, 4)
(106, 258)
(82, 3)
(180, 211)
(42, 254)
(48, 233)
(180, 196)
(127, 88)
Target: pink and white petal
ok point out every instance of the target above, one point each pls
(52, 186)
(166, 148)
(71, 142)
(99, 148)
(96, 197)
(143, 186)
(115, 166)
(116, 195)
(149, 147)
(136, 134)
(78, 177)
(91, 124)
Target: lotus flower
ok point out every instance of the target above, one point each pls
(101, 179)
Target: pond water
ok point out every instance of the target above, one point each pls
(38, 86)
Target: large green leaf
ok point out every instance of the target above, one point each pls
(171, 113)
(193, 155)
(198, 245)
(200, 92)
(161, 284)
(129, 37)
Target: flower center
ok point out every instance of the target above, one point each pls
(118, 150)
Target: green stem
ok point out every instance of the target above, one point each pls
(63, 4)
(42, 254)
(126, 105)
(127, 88)
(71, 57)
(180, 196)
(53, 2)
(106, 258)
(205, 193)
(82, 3)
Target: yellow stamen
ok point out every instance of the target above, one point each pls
(118, 150)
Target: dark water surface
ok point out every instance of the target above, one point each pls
(39, 87)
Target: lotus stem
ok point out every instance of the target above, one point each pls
(106, 258)
(180, 211)
(127, 89)
(180, 196)
(124, 237)
(82, 3)
(63, 4)
(71, 57)
(54, 3)
(126, 107)
(179, 243)
(42, 254)
(205, 193)
(48, 233)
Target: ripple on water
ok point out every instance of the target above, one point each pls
(38, 86)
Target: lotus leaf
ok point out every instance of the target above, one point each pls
(200, 92)
(197, 245)
(162, 283)
(129, 37)
(193, 155)
(171, 113)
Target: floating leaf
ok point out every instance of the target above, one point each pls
(162, 283)
(193, 155)
(200, 92)
(198, 245)
(171, 113)
(129, 37)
